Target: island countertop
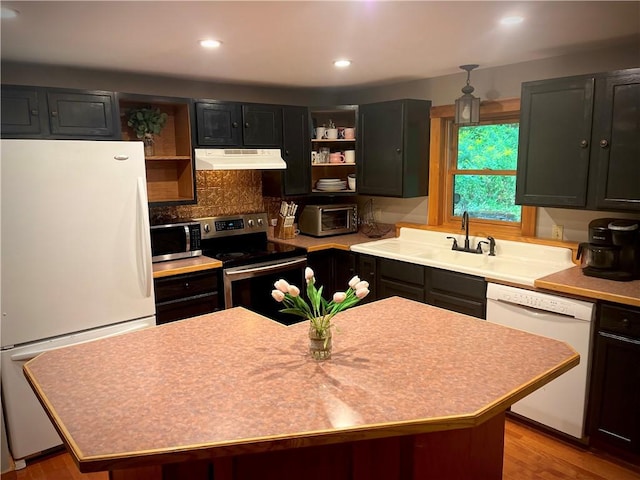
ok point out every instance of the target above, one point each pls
(234, 382)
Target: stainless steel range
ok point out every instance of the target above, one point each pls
(251, 263)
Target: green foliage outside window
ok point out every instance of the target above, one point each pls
(487, 147)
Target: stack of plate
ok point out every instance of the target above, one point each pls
(331, 184)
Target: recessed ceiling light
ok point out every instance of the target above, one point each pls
(210, 43)
(511, 20)
(6, 12)
(342, 63)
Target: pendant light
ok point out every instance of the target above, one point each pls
(467, 106)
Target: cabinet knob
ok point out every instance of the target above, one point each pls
(234, 124)
(604, 143)
(398, 150)
(584, 144)
(286, 152)
(246, 125)
(34, 112)
(54, 114)
(186, 285)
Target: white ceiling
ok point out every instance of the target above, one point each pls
(294, 43)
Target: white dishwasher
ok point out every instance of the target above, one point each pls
(561, 404)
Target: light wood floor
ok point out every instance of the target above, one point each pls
(529, 455)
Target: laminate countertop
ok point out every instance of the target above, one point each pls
(184, 265)
(234, 382)
(340, 242)
(573, 282)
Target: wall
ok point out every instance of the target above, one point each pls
(490, 83)
(499, 83)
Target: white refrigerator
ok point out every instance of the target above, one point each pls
(76, 261)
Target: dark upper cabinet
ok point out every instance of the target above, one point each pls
(234, 124)
(295, 180)
(616, 143)
(393, 148)
(578, 145)
(35, 112)
(24, 112)
(218, 123)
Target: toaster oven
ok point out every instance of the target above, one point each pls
(325, 220)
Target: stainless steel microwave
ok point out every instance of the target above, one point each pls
(175, 240)
(325, 220)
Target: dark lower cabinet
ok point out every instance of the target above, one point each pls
(366, 269)
(456, 291)
(402, 279)
(614, 401)
(37, 112)
(186, 295)
(333, 269)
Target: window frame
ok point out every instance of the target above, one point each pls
(442, 148)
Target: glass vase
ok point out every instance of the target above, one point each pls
(148, 147)
(320, 344)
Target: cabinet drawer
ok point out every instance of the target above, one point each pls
(475, 308)
(457, 283)
(190, 307)
(401, 271)
(387, 288)
(186, 285)
(619, 319)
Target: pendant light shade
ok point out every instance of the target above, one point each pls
(467, 106)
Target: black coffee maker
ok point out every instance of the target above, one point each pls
(613, 251)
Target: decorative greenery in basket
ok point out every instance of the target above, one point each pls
(147, 122)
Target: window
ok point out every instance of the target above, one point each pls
(473, 169)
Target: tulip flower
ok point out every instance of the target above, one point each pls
(277, 295)
(339, 297)
(354, 281)
(361, 293)
(282, 285)
(294, 291)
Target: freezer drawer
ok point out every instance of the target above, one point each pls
(29, 430)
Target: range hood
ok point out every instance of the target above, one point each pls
(239, 159)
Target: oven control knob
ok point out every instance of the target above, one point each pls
(250, 223)
(260, 222)
(207, 228)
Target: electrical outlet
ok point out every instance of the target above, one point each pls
(556, 232)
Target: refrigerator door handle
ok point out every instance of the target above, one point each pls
(145, 250)
(29, 354)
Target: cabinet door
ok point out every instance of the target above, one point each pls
(82, 115)
(616, 142)
(553, 151)
(366, 270)
(262, 125)
(615, 392)
(393, 148)
(396, 278)
(344, 268)
(456, 291)
(23, 112)
(218, 124)
(296, 151)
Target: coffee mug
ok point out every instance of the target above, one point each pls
(351, 181)
(331, 133)
(350, 156)
(336, 158)
(349, 133)
(320, 131)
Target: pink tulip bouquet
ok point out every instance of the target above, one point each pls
(318, 310)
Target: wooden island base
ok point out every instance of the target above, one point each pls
(462, 454)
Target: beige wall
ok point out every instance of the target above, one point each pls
(490, 83)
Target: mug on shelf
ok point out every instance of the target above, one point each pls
(336, 157)
(349, 133)
(349, 156)
(320, 131)
(351, 181)
(331, 133)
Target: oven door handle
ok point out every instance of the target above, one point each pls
(270, 268)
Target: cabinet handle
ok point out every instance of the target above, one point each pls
(234, 124)
(34, 112)
(604, 143)
(584, 144)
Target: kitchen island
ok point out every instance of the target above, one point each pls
(411, 391)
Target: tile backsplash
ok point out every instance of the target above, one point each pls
(219, 193)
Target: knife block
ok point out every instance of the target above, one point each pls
(282, 231)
